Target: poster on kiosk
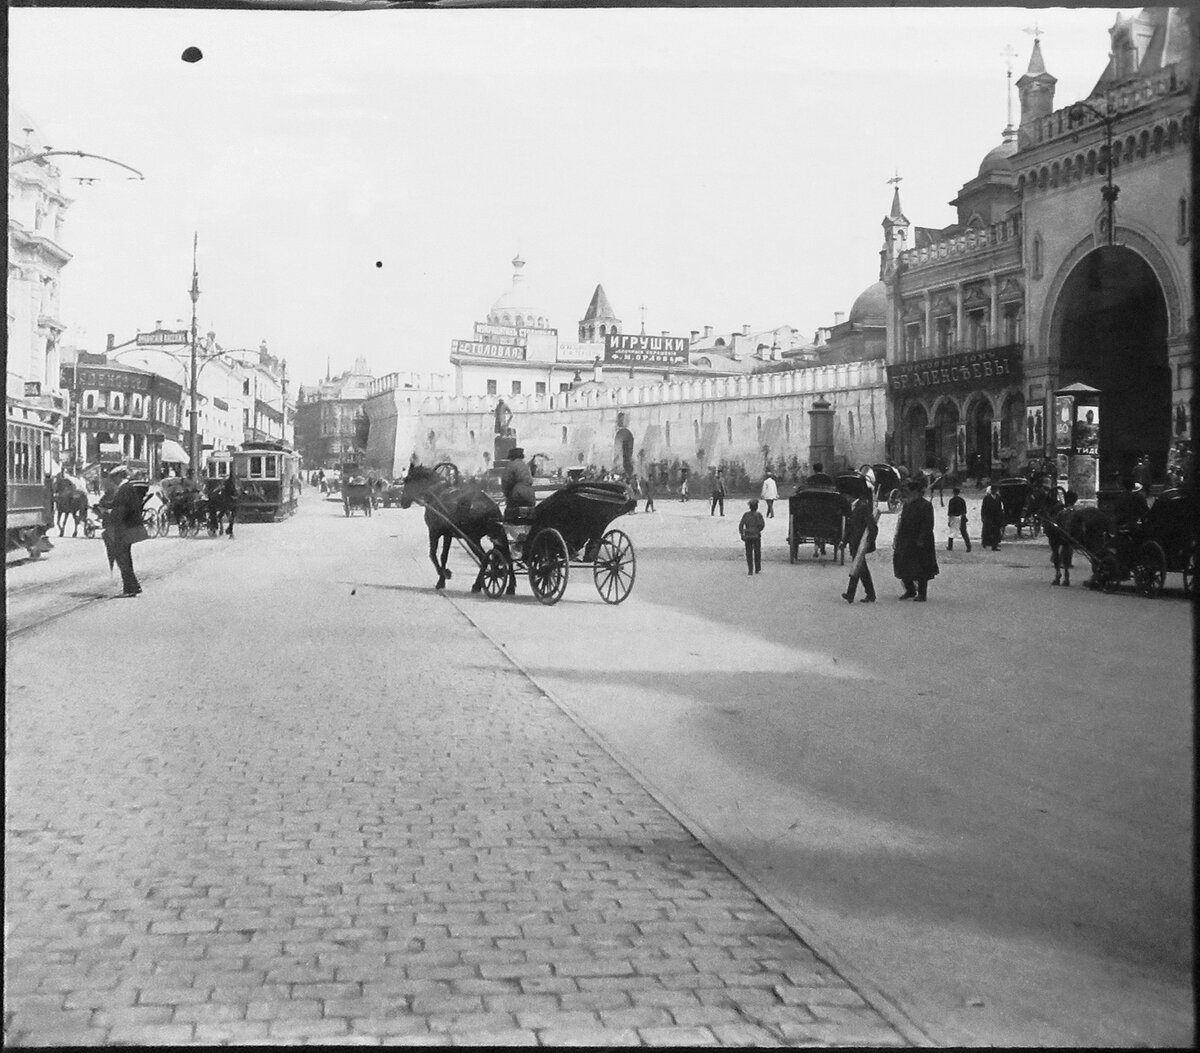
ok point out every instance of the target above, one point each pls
(1077, 438)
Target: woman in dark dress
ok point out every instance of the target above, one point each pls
(914, 553)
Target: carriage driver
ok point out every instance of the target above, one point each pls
(517, 484)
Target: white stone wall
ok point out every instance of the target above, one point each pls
(728, 418)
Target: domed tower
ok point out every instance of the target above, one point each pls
(517, 306)
(1036, 88)
(599, 319)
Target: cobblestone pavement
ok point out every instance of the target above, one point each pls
(317, 816)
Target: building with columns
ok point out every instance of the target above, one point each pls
(36, 213)
(1033, 288)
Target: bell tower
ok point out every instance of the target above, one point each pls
(1036, 88)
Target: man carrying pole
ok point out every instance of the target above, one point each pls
(861, 531)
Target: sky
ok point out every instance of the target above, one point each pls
(361, 180)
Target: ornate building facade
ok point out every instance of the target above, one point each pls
(1069, 263)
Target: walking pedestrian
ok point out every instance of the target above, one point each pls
(956, 519)
(861, 531)
(750, 531)
(991, 514)
(914, 555)
(123, 528)
(683, 482)
(770, 494)
(649, 488)
(718, 494)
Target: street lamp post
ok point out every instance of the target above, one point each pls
(194, 451)
(1110, 190)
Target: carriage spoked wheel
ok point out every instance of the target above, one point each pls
(549, 562)
(615, 567)
(1150, 570)
(894, 501)
(150, 522)
(164, 522)
(496, 571)
(448, 470)
(89, 529)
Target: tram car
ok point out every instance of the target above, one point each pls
(268, 479)
(28, 492)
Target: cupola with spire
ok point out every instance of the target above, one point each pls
(896, 229)
(517, 307)
(1036, 88)
(598, 320)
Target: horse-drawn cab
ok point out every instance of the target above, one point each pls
(887, 486)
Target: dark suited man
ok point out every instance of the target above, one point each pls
(819, 476)
(123, 526)
(914, 553)
(861, 529)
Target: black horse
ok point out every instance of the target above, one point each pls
(222, 504)
(455, 510)
(69, 501)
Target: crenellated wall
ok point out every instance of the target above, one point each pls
(701, 421)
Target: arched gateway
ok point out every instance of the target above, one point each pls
(1109, 329)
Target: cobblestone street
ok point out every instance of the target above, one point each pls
(286, 816)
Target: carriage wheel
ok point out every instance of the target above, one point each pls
(150, 522)
(615, 567)
(549, 563)
(448, 470)
(164, 522)
(89, 529)
(1150, 569)
(496, 572)
(894, 501)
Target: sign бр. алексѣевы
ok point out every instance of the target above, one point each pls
(996, 368)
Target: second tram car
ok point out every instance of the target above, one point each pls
(28, 491)
(267, 475)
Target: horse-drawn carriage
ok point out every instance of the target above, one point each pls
(818, 514)
(358, 495)
(1018, 501)
(567, 529)
(1166, 541)
(888, 486)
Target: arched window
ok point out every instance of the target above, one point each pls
(850, 421)
(720, 342)
(564, 438)
(696, 429)
(520, 321)
(603, 332)
(760, 427)
(729, 429)
(114, 402)
(1036, 261)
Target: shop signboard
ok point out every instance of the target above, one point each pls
(1087, 430)
(161, 337)
(1064, 408)
(994, 369)
(621, 349)
(479, 349)
(570, 351)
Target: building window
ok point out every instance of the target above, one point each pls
(944, 330)
(491, 387)
(563, 387)
(760, 427)
(246, 386)
(1036, 260)
(977, 330)
(245, 418)
(89, 401)
(696, 429)
(564, 438)
(912, 341)
(137, 406)
(729, 429)
(1183, 218)
(114, 402)
(850, 421)
(787, 426)
(516, 387)
(539, 388)
(668, 432)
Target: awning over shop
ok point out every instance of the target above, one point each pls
(172, 452)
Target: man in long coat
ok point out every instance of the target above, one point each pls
(991, 513)
(122, 527)
(914, 553)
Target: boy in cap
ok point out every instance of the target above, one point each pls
(750, 530)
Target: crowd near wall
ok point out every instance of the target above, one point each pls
(703, 422)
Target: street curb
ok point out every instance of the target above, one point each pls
(867, 989)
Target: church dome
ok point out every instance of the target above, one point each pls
(871, 306)
(517, 306)
(999, 159)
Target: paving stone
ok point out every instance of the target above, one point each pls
(579, 1036)
(677, 1036)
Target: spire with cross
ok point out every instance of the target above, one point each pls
(642, 308)
(1008, 54)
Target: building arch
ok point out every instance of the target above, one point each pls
(979, 416)
(945, 432)
(623, 451)
(1109, 315)
(914, 433)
